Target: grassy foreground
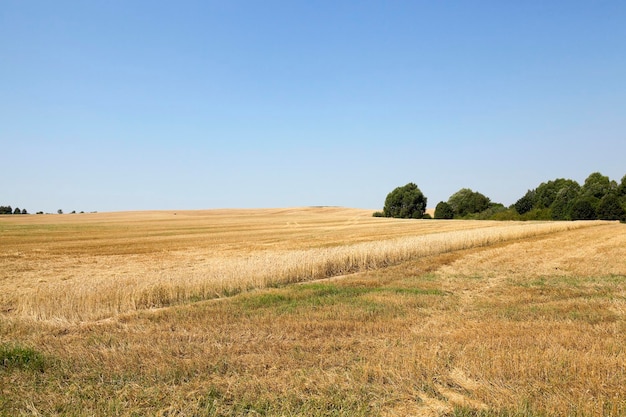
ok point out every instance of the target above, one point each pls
(533, 326)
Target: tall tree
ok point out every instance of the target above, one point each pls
(621, 188)
(465, 201)
(583, 209)
(610, 208)
(561, 208)
(405, 202)
(597, 186)
(444, 211)
(526, 203)
(547, 191)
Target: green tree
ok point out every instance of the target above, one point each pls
(444, 211)
(621, 188)
(526, 203)
(465, 201)
(597, 186)
(17, 211)
(610, 208)
(405, 202)
(547, 191)
(24, 211)
(562, 206)
(583, 209)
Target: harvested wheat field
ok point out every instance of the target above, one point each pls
(315, 311)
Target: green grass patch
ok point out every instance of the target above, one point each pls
(321, 290)
(331, 402)
(470, 412)
(415, 291)
(19, 357)
(306, 297)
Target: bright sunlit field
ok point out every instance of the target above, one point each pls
(310, 311)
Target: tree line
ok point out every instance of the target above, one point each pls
(598, 198)
(9, 210)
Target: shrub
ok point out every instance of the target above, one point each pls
(538, 214)
(490, 213)
(508, 214)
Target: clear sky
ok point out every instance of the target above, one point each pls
(132, 105)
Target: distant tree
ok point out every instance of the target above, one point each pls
(621, 188)
(583, 209)
(465, 201)
(24, 211)
(526, 203)
(6, 210)
(444, 211)
(546, 192)
(378, 214)
(597, 186)
(405, 202)
(59, 211)
(17, 211)
(561, 208)
(610, 208)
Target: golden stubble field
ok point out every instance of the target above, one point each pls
(241, 312)
(93, 266)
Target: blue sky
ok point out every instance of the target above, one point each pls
(132, 105)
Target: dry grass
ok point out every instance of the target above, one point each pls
(87, 267)
(533, 326)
